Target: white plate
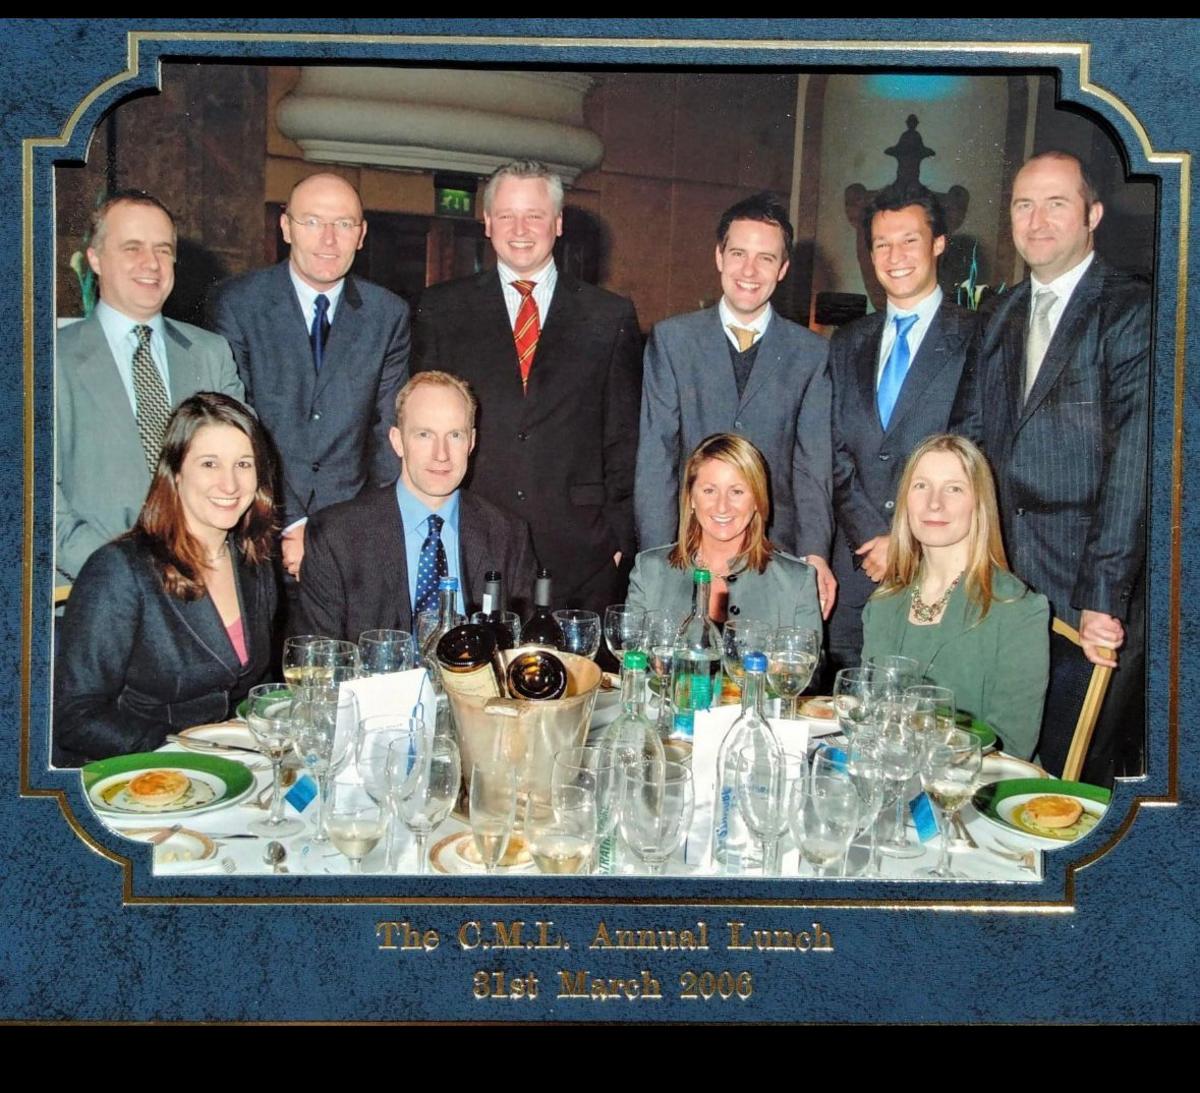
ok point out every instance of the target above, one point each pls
(998, 767)
(220, 796)
(182, 848)
(223, 732)
(449, 855)
(1010, 805)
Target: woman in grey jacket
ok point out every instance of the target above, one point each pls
(724, 506)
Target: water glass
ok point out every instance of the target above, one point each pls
(624, 628)
(508, 621)
(269, 718)
(581, 632)
(383, 651)
(493, 799)
(764, 781)
(949, 770)
(595, 769)
(423, 776)
(560, 829)
(823, 814)
(742, 636)
(656, 809)
(356, 822)
(791, 660)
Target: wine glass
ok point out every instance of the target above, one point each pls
(906, 671)
(661, 628)
(426, 624)
(596, 769)
(384, 651)
(508, 621)
(899, 752)
(321, 748)
(423, 782)
(493, 799)
(742, 636)
(930, 711)
(581, 632)
(295, 657)
(857, 761)
(356, 822)
(860, 696)
(269, 717)
(823, 815)
(949, 768)
(791, 659)
(332, 663)
(764, 780)
(560, 829)
(624, 628)
(656, 809)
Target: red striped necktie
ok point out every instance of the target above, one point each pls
(527, 330)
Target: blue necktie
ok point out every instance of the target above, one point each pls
(318, 333)
(431, 566)
(895, 369)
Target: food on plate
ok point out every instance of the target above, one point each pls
(1053, 811)
(821, 708)
(158, 787)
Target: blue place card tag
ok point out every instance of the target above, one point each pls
(922, 813)
(835, 755)
(301, 795)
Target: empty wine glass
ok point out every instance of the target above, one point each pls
(426, 624)
(508, 621)
(742, 636)
(656, 809)
(764, 781)
(860, 696)
(930, 711)
(560, 829)
(661, 628)
(624, 628)
(906, 671)
(823, 814)
(791, 659)
(493, 799)
(269, 718)
(596, 769)
(356, 822)
(384, 651)
(899, 753)
(581, 632)
(321, 748)
(949, 769)
(858, 763)
(423, 781)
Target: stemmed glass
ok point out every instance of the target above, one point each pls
(371, 749)
(791, 660)
(930, 711)
(356, 822)
(315, 738)
(656, 809)
(624, 628)
(949, 769)
(858, 762)
(742, 636)
(899, 752)
(595, 769)
(560, 830)
(269, 718)
(860, 697)
(661, 628)
(423, 782)
(906, 671)
(581, 632)
(509, 621)
(383, 651)
(493, 799)
(764, 781)
(295, 657)
(824, 817)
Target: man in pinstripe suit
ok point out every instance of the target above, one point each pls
(1060, 403)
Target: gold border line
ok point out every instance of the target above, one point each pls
(1079, 50)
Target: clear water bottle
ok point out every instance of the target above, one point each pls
(633, 735)
(699, 637)
(735, 849)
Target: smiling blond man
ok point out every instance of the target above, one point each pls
(119, 373)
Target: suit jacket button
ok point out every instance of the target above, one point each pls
(1020, 512)
(734, 609)
(316, 416)
(522, 436)
(889, 505)
(884, 457)
(520, 495)
(731, 579)
(316, 467)
(737, 424)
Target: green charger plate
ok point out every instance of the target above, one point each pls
(994, 800)
(231, 779)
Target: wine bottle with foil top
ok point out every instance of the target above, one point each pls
(734, 846)
(696, 686)
(536, 675)
(470, 662)
(447, 619)
(542, 627)
(493, 607)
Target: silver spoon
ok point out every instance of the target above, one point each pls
(275, 855)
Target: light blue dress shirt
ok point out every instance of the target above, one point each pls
(414, 526)
(307, 295)
(119, 333)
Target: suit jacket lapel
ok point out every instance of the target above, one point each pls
(1015, 325)
(202, 619)
(1067, 335)
(389, 550)
(553, 355)
(98, 371)
(713, 366)
(343, 332)
(290, 327)
(473, 543)
(866, 367)
(768, 363)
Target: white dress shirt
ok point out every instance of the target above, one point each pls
(924, 311)
(1062, 287)
(119, 333)
(543, 289)
(758, 325)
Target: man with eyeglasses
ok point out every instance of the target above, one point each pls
(322, 354)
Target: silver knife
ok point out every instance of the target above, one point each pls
(209, 745)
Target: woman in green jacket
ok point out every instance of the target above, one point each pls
(948, 600)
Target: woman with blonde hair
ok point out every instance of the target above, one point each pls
(948, 600)
(724, 508)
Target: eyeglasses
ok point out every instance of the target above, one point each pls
(316, 224)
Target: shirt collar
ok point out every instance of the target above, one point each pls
(414, 513)
(924, 311)
(307, 295)
(1063, 285)
(547, 275)
(758, 325)
(117, 325)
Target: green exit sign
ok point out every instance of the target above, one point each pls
(455, 202)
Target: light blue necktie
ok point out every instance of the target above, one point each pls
(895, 369)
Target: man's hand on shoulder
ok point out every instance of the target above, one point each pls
(874, 557)
(292, 544)
(1101, 635)
(826, 583)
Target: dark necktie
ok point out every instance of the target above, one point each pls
(527, 330)
(895, 369)
(431, 566)
(153, 405)
(318, 333)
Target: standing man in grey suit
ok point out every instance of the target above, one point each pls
(118, 374)
(322, 354)
(895, 375)
(373, 563)
(741, 368)
(1060, 402)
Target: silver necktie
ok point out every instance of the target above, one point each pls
(1038, 339)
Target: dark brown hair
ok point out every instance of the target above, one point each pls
(162, 527)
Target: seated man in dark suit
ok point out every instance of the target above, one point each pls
(895, 374)
(322, 354)
(374, 562)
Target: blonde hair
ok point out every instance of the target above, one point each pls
(985, 549)
(434, 378)
(737, 452)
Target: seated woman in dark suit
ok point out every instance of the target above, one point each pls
(170, 625)
(948, 600)
(724, 505)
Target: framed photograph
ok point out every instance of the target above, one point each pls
(656, 127)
